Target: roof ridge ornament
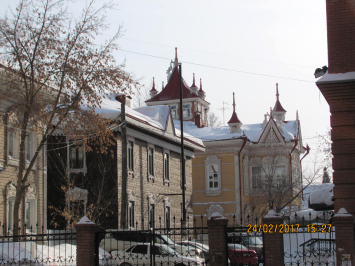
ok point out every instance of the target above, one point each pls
(176, 57)
(153, 92)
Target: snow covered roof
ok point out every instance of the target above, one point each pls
(253, 131)
(151, 117)
(338, 77)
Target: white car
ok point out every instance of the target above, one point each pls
(161, 255)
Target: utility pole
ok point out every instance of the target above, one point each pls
(223, 109)
(123, 220)
(183, 183)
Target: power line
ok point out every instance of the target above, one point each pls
(215, 67)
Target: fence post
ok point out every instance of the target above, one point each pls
(217, 240)
(85, 240)
(273, 242)
(344, 237)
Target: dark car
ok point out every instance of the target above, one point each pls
(240, 255)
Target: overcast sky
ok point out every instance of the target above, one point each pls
(222, 42)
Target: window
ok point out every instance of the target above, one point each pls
(76, 155)
(186, 110)
(256, 177)
(166, 166)
(30, 214)
(152, 215)
(131, 214)
(280, 175)
(141, 249)
(174, 113)
(213, 176)
(10, 213)
(167, 216)
(11, 144)
(151, 161)
(130, 155)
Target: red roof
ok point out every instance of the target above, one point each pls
(234, 118)
(172, 89)
(278, 107)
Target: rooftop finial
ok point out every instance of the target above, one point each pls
(153, 83)
(200, 83)
(162, 85)
(297, 115)
(193, 81)
(233, 103)
(176, 58)
(277, 91)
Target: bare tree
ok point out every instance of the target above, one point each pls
(275, 186)
(213, 120)
(53, 68)
(140, 96)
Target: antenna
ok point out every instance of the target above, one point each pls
(223, 109)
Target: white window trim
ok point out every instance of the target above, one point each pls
(131, 196)
(151, 147)
(167, 203)
(213, 159)
(175, 108)
(166, 180)
(190, 111)
(151, 201)
(130, 172)
(76, 170)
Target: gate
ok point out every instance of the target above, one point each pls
(159, 246)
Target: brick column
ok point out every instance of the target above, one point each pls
(273, 242)
(85, 241)
(217, 240)
(344, 236)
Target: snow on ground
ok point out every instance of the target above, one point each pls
(29, 253)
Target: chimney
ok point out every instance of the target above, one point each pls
(198, 119)
(124, 98)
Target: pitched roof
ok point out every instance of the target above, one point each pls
(234, 118)
(278, 107)
(172, 89)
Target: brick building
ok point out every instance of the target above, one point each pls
(153, 163)
(32, 208)
(338, 88)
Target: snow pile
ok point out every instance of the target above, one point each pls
(85, 220)
(217, 216)
(309, 189)
(321, 196)
(343, 213)
(336, 77)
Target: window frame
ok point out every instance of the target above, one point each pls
(70, 143)
(214, 191)
(150, 162)
(166, 166)
(130, 155)
(151, 220)
(131, 214)
(167, 207)
(187, 107)
(174, 111)
(256, 178)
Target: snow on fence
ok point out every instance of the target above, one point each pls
(311, 243)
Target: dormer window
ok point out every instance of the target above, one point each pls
(186, 110)
(174, 113)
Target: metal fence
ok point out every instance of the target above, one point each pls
(35, 247)
(178, 245)
(309, 241)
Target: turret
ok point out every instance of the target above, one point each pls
(234, 123)
(278, 113)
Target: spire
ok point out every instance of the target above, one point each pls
(176, 57)
(162, 86)
(297, 115)
(193, 81)
(277, 91)
(153, 92)
(201, 85)
(201, 93)
(234, 123)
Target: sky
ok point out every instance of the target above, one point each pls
(240, 46)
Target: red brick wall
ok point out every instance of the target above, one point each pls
(341, 41)
(217, 242)
(341, 100)
(273, 243)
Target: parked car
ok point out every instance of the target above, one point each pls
(201, 248)
(250, 241)
(162, 254)
(240, 255)
(122, 239)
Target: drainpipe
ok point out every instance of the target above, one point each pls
(244, 138)
(294, 146)
(307, 152)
